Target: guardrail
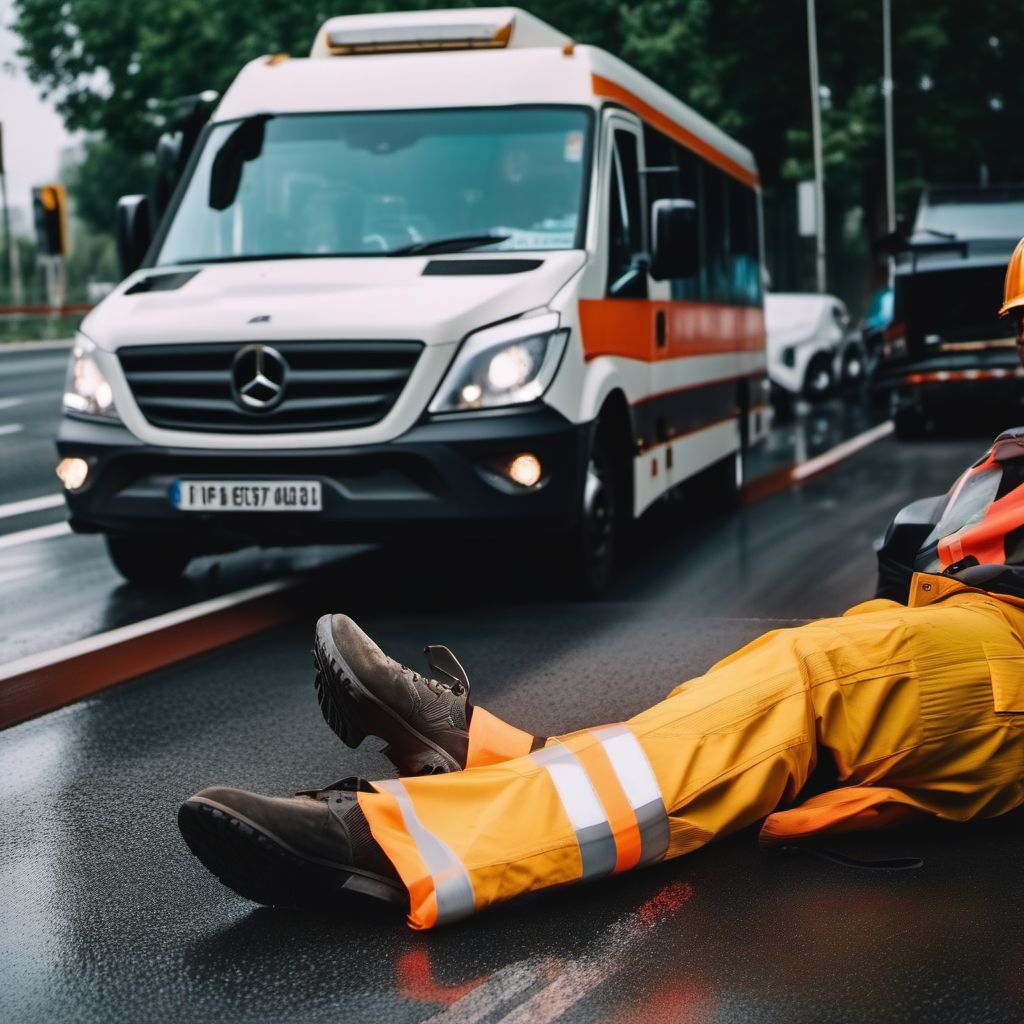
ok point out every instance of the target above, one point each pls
(42, 309)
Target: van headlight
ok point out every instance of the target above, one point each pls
(86, 391)
(509, 364)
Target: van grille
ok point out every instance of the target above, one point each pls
(328, 385)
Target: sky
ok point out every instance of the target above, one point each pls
(33, 133)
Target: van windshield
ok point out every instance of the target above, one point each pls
(372, 184)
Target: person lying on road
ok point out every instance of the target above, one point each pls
(921, 708)
(918, 708)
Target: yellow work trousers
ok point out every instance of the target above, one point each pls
(921, 708)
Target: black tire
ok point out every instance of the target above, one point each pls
(819, 381)
(584, 560)
(148, 562)
(728, 475)
(784, 403)
(854, 369)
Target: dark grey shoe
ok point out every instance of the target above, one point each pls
(309, 852)
(364, 693)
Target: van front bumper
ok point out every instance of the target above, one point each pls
(438, 477)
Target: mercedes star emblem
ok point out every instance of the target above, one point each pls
(258, 374)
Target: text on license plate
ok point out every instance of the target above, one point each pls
(247, 495)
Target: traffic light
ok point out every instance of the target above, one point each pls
(49, 210)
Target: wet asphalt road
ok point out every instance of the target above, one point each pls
(104, 915)
(31, 382)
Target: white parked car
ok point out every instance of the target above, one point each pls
(811, 347)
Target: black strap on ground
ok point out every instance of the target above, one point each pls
(860, 863)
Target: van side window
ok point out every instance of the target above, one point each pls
(730, 253)
(716, 236)
(625, 220)
(745, 284)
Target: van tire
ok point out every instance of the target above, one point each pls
(584, 561)
(819, 381)
(148, 561)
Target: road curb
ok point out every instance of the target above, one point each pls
(798, 473)
(43, 682)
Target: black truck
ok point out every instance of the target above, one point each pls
(947, 354)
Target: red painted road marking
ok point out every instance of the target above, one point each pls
(800, 472)
(43, 682)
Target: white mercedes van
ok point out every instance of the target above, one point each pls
(450, 274)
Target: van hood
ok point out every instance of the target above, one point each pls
(436, 300)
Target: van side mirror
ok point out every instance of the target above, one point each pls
(675, 244)
(133, 230)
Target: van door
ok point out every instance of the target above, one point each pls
(642, 328)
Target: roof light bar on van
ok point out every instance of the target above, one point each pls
(403, 38)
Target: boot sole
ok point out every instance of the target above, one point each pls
(353, 712)
(261, 867)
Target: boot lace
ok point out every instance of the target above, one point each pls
(441, 689)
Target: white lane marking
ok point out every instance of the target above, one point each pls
(567, 980)
(11, 428)
(614, 952)
(32, 396)
(34, 662)
(13, 540)
(20, 508)
(841, 451)
(42, 364)
(500, 987)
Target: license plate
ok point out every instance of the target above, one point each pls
(247, 495)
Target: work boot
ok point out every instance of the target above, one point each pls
(308, 852)
(363, 692)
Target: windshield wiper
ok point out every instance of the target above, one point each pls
(460, 243)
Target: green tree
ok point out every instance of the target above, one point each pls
(114, 71)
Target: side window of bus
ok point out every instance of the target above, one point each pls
(730, 254)
(744, 255)
(716, 269)
(625, 220)
(673, 172)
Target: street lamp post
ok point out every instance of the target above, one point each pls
(890, 159)
(819, 167)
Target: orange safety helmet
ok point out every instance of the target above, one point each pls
(1013, 289)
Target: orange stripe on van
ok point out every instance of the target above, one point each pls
(654, 117)
(626, 327)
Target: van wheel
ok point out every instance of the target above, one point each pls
(819, 382)
(584, 560)
(854, 368)
(148, 562)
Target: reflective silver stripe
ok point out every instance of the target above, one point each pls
(582, 808)
(452, 887)
(635, 775)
